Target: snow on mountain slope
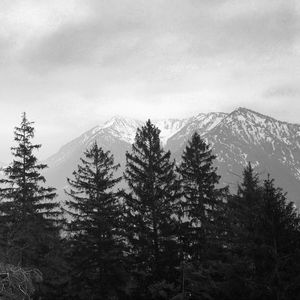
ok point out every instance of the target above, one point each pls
(116, 135)
(117, 128)
(247, 129)
(256, 128)
(122, 128)
(244, 135)
(241, 136)
(169, 127)
(272, 145)
(202, 123)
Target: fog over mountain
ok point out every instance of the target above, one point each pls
(243, 135)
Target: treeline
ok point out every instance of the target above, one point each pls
(172, 234)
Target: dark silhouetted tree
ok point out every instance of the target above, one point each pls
(264, 242)
(29, 212)
(278, 254)
(96, 243)
(203, 223)
(203, 201)
(152, 205)
(243, 211)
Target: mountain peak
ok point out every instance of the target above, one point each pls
(255, 116)
(236, 138)
(242, 109)
(116, 118)
(169, 127)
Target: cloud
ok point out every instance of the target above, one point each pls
(284, 91)
(87, 59)
(163, 32)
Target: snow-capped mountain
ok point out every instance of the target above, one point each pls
(116, 135)
(121, 128)
(244, 135)
(272, 146)
(169, 127)
(256, 136)
(202, 123)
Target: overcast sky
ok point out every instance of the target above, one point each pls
(72, 64)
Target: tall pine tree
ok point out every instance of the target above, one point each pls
(29, 212)
(278, 255)
(248, 208)
(151, 208)
(203, 200)
(203, 224)
(264, 242)
(96, 243)
(243, 211)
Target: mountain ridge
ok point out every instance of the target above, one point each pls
(236, 138)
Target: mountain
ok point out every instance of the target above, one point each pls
(243, 135)
(202, 123)
(115, 135)
(169, 127)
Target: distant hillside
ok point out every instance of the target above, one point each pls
(243, 135)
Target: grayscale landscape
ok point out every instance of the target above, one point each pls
(150, 150)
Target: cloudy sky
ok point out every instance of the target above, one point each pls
(73, 64)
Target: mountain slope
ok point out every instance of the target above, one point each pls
(241, 136)
(169, 128)
(202, 123)
(244, 135)
(116, 135)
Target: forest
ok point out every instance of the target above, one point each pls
(173, 233)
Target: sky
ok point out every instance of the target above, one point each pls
(73, 64)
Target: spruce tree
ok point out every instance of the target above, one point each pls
(203, 224)
(243, 211)
(248, 208)
(278, 255)
(96, 243)
(265, 242)
(29, 212)
(28, 206)
(152, 205)
(203, 200)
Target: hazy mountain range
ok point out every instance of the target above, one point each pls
(243, 135)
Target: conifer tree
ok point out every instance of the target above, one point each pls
(202, 201)
(28, 202)
(29, 212)
(95, 228)
(248, 207)
(278, 255)
(244, 210)
(203, 224)
(152, 205)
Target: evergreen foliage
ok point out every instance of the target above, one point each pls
(203, 222)
(278, 259)
(243, 211)
(152, 205)
(96, 243)
(245, 208)
(170, 235)
(264, 241)
(29, 212)
(203, 201)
